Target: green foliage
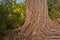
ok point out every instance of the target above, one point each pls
(55, 12)
(17, 15)
(54, 9)
(3, 18)
(12, 15)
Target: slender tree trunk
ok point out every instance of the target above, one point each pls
(38, 25)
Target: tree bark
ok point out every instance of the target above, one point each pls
(38, 25)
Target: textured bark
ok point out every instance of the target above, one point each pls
(38, 25)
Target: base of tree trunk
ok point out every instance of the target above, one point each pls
(38, 25)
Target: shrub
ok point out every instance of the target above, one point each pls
(11, 16)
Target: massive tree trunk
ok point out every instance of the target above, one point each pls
(38, 25)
